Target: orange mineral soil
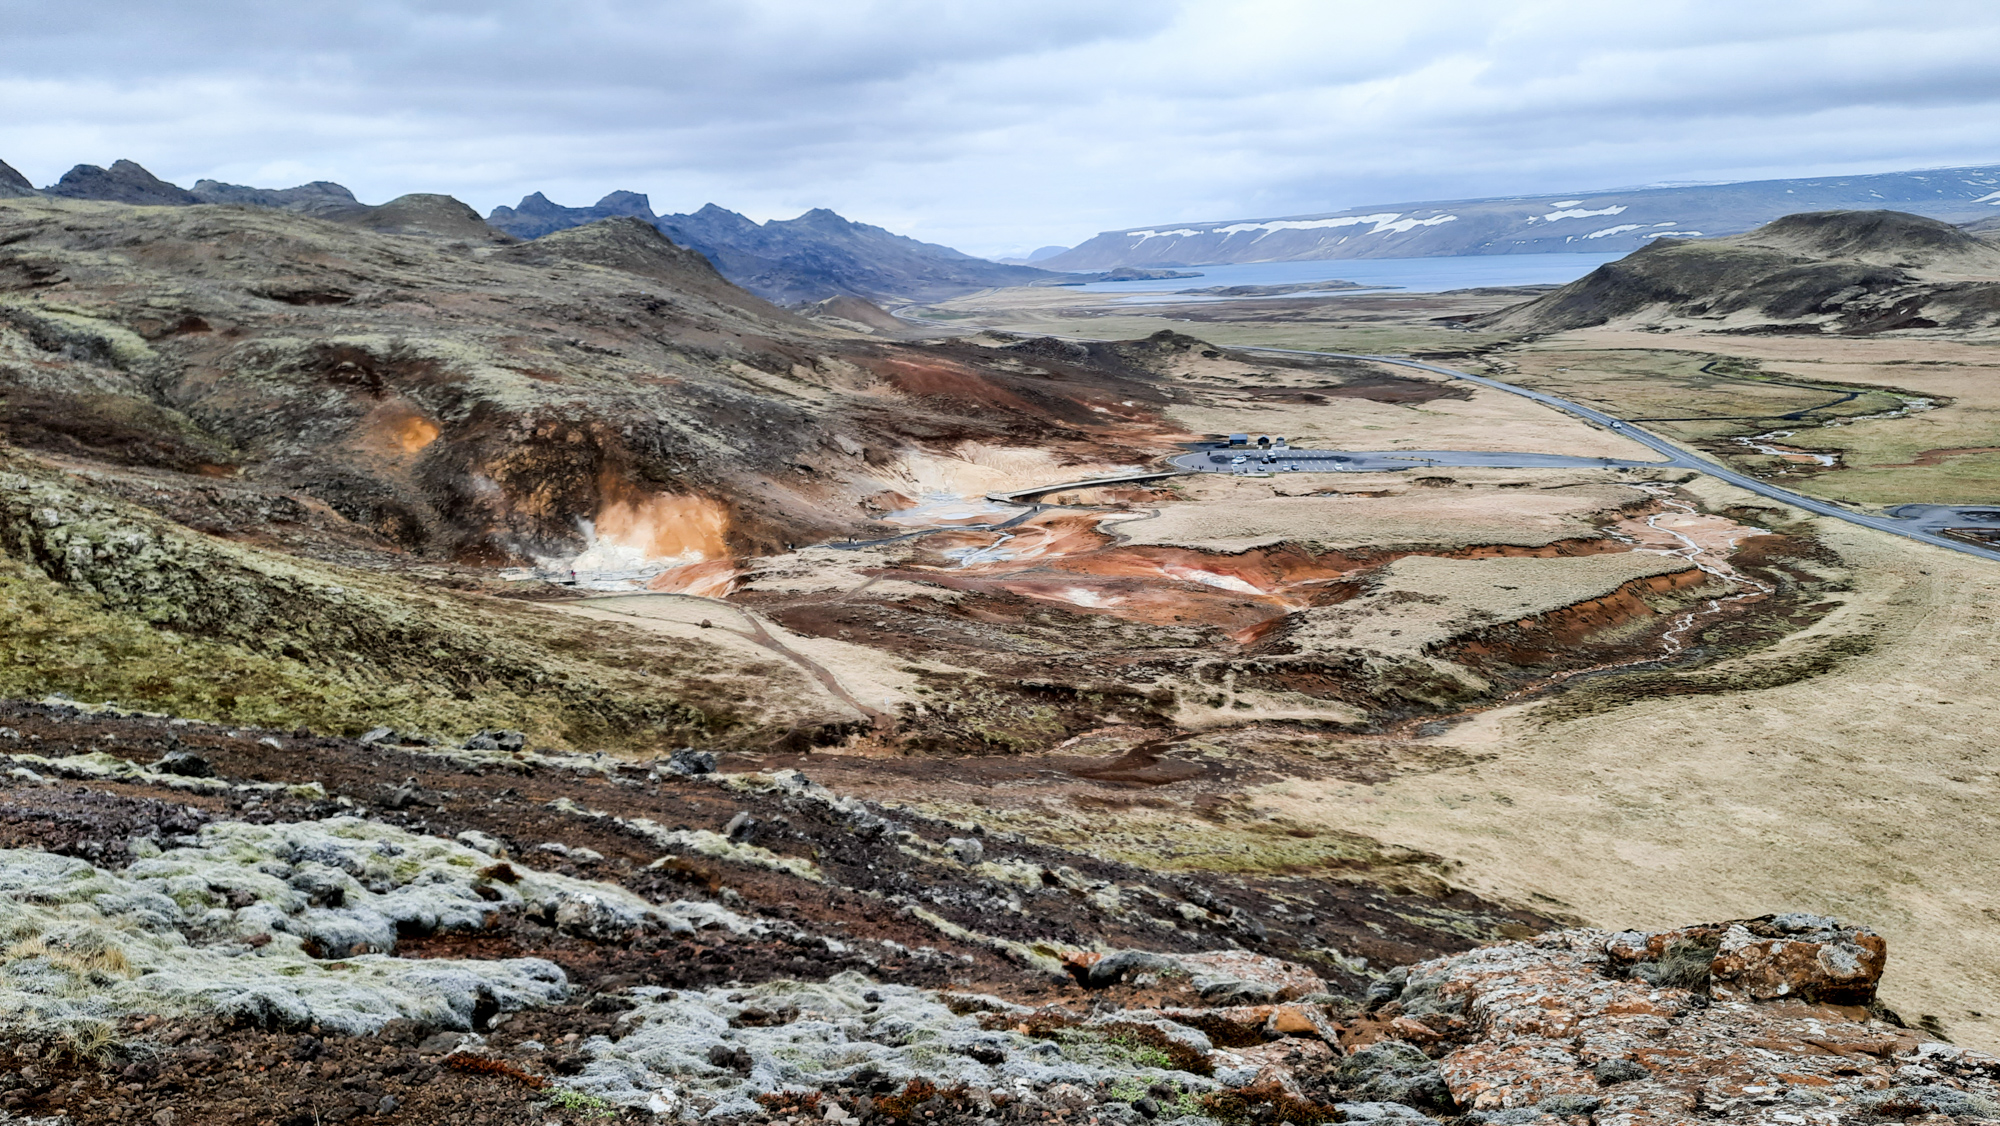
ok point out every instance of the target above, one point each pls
(397, 428)
(662, 526)
(713, 578)
(1064, 559)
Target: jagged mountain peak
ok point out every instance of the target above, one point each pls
(537, 204)
(827, 216)
(627, 203)
(125, 181)
(712, 212)
(537, 215)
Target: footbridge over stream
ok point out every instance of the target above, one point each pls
(1019, 495)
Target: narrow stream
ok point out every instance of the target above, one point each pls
(1761, 442)
(991, 553)
(1672, 643)
(1693, 553)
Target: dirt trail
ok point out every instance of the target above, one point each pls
(819, 672)
(756, 633)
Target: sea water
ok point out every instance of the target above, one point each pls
(1413, 275)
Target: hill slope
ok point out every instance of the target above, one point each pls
(1612, 221)
(294, 451)
(1830, 271)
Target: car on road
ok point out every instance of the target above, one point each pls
(1238, 460)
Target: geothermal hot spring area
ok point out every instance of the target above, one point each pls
(452, 678)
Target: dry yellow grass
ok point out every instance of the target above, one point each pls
(1421, 600)
(973, 469)
(1866, 792)
(1233, 514)
(1375, 323)
(1489, 420)
(1882, 459)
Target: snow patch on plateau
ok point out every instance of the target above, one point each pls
(1384, 222)
(1578, 213)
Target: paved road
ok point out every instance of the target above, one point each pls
(1677, 458)
(1375, 461)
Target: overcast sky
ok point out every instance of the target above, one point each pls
(997, 126)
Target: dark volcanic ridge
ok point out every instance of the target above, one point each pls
(812, 258)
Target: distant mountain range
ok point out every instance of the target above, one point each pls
(812, 258)
(1605, 221)
(791, 261)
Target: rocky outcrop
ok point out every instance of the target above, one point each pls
(1801, 957)
(123, 182)
(536, 215)
(1757, 1020)
(12, 183)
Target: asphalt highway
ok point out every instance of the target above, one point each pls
(1375, 461)
(1920, 530)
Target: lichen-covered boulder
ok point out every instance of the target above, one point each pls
(1807, 957)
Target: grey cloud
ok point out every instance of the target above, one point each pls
(993, 125)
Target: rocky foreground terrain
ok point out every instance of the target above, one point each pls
(234, 925)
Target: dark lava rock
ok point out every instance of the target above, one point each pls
(691, 762)
(1114, 968)
(187, 764)
(1609, 1072)
(1391, 1071)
